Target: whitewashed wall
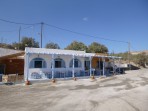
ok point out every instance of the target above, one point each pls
(48, 59)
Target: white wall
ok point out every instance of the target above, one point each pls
(48, 59)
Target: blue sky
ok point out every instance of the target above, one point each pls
(123, 20)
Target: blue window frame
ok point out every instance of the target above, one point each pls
(59, 63)
(38, 63)
(77, 63)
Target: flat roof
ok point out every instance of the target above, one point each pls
(6, 52)
(63, 52)
(12, 55)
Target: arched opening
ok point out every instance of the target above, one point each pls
(59, 63)
(77, 63)
(38, 63)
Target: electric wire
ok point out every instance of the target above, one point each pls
(53, 26)
(17, 22)
(17, 30)
(83, 34)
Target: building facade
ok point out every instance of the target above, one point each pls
(41, 64)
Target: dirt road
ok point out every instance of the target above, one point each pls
(128, 92)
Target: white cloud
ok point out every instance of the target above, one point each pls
(85, 19)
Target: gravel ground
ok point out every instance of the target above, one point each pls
(128, 92)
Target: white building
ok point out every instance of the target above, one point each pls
(41, 63)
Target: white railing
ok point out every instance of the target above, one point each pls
(45, 73)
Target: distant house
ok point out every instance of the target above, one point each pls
(11, 61)
(138, 52)
(41, 64)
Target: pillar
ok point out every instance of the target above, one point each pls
(52, 66)
(99, 66)
(73, 67)
(90, 66)
(26, 66)
(27, 82)
(103, 66)
(113, 65)
(119, 65)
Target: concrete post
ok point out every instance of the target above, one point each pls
(27, 82)
(73, 63)
(52, 66)
(103, 66)
(90, 66)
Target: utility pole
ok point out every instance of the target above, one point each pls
(32, 35)
(19, 37)
(19, 34)
(41, 32)
(129, 55)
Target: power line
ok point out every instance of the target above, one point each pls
(79, 33)
(17, 22)
(17, 30)
(8, 31)
(83, 34)
(53, 26)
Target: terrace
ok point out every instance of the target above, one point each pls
(54, 63)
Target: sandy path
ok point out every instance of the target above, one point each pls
(128, 92)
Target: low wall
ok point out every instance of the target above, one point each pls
(12, 78)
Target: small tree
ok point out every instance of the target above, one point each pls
(77, 46)
(140, 59)
(8, 46)
(26, 42)
(52, 45)
(97, 48)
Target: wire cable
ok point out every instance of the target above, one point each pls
(83, 34)
(17, 30)
(9, 31)
(17, 22)
(65, 30)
